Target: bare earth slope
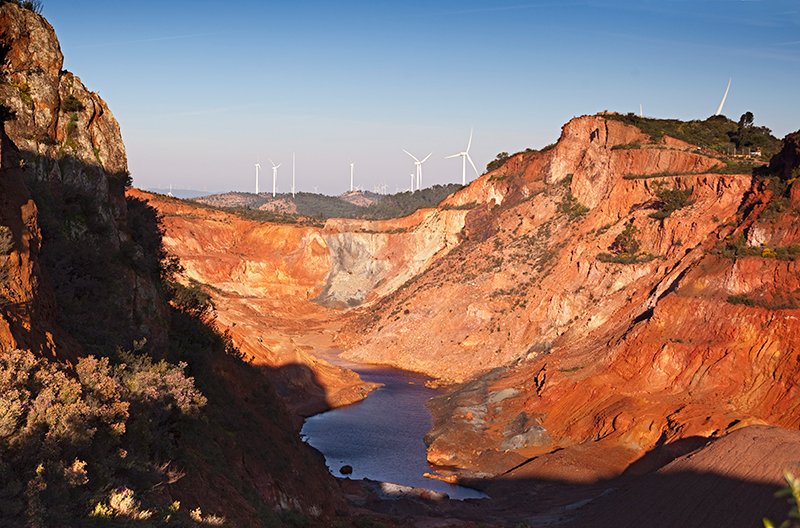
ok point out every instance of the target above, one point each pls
(271, 283)
(600, 357)
(578, 356)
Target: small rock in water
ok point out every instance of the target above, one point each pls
(346, 470)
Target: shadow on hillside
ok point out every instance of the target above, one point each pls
(103, 267)
(244, 458)
(677, 499)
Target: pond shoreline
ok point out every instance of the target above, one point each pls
(381, 438)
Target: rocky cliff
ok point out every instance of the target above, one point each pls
(617, 295)
(84, 271)
(280, 289)
(75, 168)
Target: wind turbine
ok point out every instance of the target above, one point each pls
(352, 167)
(258, 166)
(274, 177)
(464, 157)
(293, 167)
(724, 97)
(418, 163)
(641, 110)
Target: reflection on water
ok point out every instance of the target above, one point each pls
(382, 436)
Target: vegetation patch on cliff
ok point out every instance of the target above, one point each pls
(716, 133)
(625, 248)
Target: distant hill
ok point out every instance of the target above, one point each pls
(186, 194)
(356, 204)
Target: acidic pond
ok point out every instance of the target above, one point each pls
(381, 437)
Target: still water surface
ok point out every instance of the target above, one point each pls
(381, 437)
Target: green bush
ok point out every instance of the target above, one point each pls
(792, 494)
(6, 240)
(671, 200)
(71, 104)
(67, 435)
(497, 162)
(192, 299)
(739, 248)
(715, 133)
(625, 248)
(571, 207)
(628, 146)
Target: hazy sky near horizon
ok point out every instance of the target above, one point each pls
(202, 89)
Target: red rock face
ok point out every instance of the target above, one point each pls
(279, 289)
(692, 344)
(527, 271)
(26, 308)
(578, 366)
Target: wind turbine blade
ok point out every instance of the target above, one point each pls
(473, 166)
(410, 154)
(469, 144)
(453, 156)
(724, 97)
(426, 158)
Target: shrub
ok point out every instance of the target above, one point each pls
(497, 162)
(71, 104)
(6, 240)
(68, 434)
(460, 207)
(739, 248)
(571, 207)
(670, 200)
(792, 494)
(626, 241)
(716, 132)
(192, 299)
(625, 248)
(627, 146)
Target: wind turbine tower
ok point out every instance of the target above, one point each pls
(293, 180)
(464, 157)
(274, 177)
(418, 164)
(258, 166)
(352, 167)
(724, 97)
(412, 182)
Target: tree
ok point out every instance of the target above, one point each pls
(742, 137)
(497, 162)
(746, 121)
(625, 243)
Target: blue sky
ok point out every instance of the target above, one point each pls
(202, 89)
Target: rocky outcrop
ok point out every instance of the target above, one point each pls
(262, 278)
(268, 281)
(83, 274)
(75, 168)
(582, 359)
(730, 481)
(370, 259)
(527, 272)
(26, 307)
(708, 346)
